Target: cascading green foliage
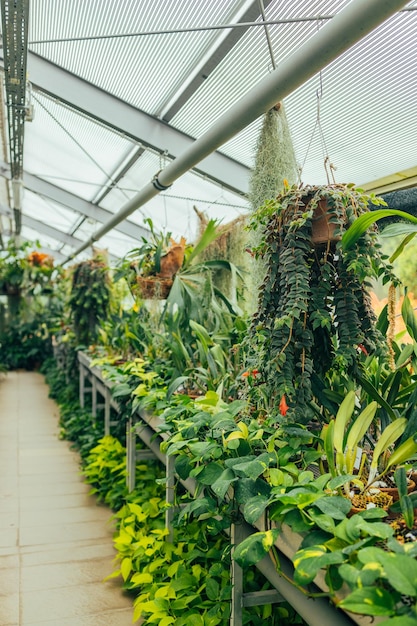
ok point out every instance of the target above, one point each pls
(314, 312)
(90, 298)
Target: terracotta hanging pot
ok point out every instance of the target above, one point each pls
(323, 230)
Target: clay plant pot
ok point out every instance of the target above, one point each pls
(323, 230)
(393, 491)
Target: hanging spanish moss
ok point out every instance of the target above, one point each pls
(274, 160)
(275, 163)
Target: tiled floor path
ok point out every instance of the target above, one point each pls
(55, 541)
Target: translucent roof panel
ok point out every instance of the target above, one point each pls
(48, 212)
(142, 70)
(76, 153)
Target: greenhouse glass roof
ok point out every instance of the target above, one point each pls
(118, 89)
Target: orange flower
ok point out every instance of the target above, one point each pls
(283, 406)
(248, 373)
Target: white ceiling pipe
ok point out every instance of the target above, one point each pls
(349, 26)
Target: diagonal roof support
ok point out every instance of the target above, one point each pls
(75, 203)
(124, 118)
(50, 231)
(55, 233)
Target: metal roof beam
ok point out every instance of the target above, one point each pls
(50, 231)
(125, 118)
(75, 203)
(249, 13)
(55, 233)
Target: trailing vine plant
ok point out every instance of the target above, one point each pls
(90, 298)
(314, 311)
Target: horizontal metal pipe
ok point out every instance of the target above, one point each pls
(349, 26)
(196, 29)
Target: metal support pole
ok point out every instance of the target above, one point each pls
(170, 496)
(107, 398)
(82, 385)
(349, 26)
(94, 397)
(130, 455)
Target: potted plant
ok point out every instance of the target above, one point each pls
(13, 266)
(361, 466)
(314, 311)
(89, 299)
(150, 268)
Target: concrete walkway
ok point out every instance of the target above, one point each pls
(55, 541)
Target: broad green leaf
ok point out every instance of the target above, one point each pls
(120, 390)
(334, 506)
(126, 568)
(339, 481)
(254, 548)
(141, 578)
(369, 601)
(401, 572)
(212, 589)
(210, 473)
(253, 469)
(254, 508)
(361, 225)
(223, 482)
(363, 577)
(183, 466)
(325, 522)
(185, 581)
(309, 561)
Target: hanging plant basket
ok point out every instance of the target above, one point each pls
(153, 287)
(314, 309)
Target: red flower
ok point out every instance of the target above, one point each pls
(283, 406)
(363, 349)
